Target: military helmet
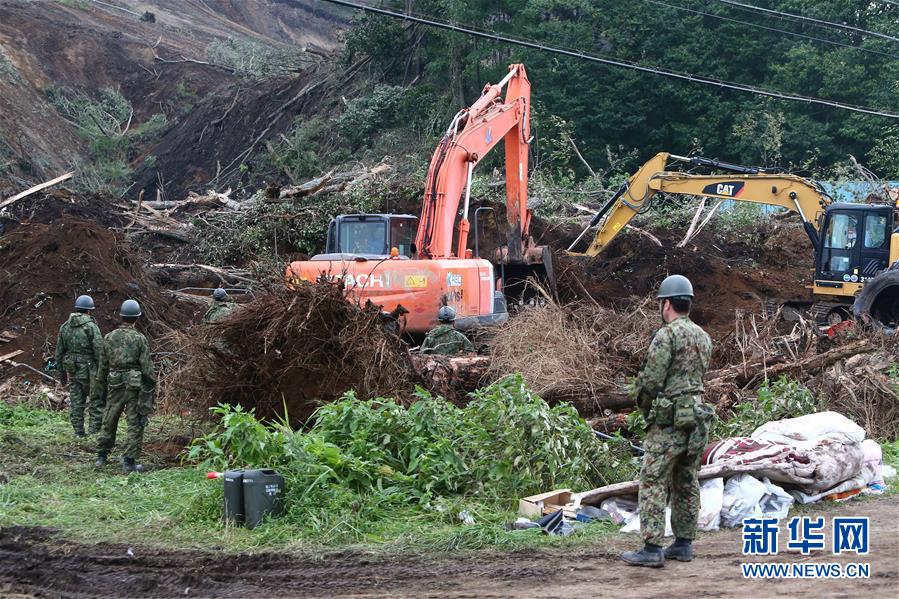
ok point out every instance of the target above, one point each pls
(676, 287)
(219, 295)
(130, 308)
(84, 302)
(446, 314)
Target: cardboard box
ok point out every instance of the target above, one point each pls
(536, 506)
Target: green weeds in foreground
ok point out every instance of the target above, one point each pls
(52, 482)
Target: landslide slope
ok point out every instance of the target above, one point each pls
(84, 46)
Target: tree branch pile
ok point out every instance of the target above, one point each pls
(580, 352)
(289, 349)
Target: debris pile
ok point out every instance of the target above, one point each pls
(728, 274)
(580, 352)
(287, 350)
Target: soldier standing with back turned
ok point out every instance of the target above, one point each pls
(78, 351)
(669, 393)
(126, 372)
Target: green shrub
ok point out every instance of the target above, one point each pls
(253, 60)
(366, 115)
(506, 443)
(105, 122)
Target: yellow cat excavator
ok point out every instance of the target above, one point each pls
(855, 246)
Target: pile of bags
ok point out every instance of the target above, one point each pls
(806, 459)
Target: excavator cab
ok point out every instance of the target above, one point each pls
(370, 236)
(855, 244)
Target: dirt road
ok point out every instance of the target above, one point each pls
(34, 562)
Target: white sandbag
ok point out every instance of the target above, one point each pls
(776, 502)
(711, 499)
(742, 494)
(808, 428)
(634, 524)
(872, 469)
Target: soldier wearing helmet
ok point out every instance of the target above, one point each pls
(668, 392)
(78, 351)
(221, 306)
(126, 372)
(444, 339)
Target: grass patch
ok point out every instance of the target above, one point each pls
(52, 483)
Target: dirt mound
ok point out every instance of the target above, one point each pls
(727, 275)
(46, 266)
(51, 206)
(292, 349)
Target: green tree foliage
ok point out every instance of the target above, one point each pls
(106, 122)
(611, 107)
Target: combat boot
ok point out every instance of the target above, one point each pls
(101, 459)
(680, 549)
(650, 556)
(128, 466)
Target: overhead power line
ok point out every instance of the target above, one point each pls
(617, 62)
(772, 29)
(819, 22)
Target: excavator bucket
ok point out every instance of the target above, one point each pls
(531, 279)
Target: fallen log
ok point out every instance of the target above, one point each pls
(187, 297)
(450, 376)
(299, 191)
(224, 275)
(35, 189)
(751, 373)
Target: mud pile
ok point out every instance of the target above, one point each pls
(45, 266)
(727, 274)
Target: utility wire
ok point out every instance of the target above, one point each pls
(819, 22)
(619, 63)
(773, 29)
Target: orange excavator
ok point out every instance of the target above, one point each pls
(378, 258)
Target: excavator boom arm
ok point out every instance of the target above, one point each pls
(799, 195)
(473, 133)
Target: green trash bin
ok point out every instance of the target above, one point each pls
(234, 509)
(263, 495)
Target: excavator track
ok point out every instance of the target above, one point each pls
(823, 313)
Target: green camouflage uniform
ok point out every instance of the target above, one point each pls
(126, 372)
(669, 393)
(78, 351)
(219, 310)
(445, 340)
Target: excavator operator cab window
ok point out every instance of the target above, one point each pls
(855, 245)
(371, 235)
(402, 234)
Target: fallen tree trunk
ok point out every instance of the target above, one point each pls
(751, 373)
(450, 376)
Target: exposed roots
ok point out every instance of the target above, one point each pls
(288, 350)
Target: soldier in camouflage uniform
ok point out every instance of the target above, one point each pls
(669, 393)
(444, 339)
(78, 351)
(221, 306)
(126, 372)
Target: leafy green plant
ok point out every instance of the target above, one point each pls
(506, 443)
(775, 400)
(370, 113)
